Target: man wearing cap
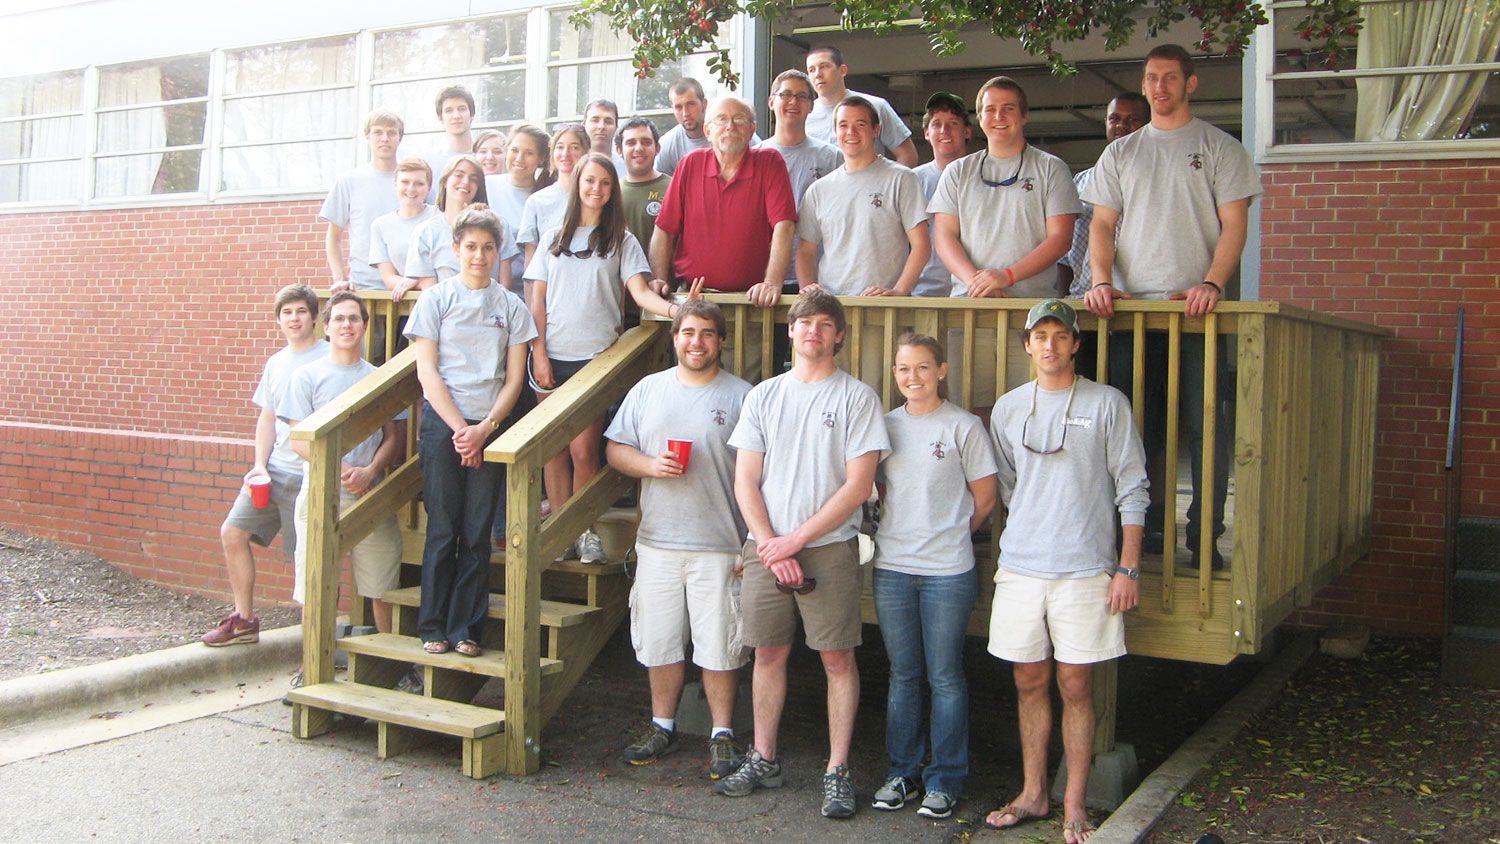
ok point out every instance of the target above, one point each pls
(947, 129)
(1064, 445)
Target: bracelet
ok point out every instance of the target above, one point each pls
(1217, 289)
(1010, 277)
(494, 426)
(670, 306)
(1101, 284)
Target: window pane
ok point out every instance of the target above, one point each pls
(498, 97)
(328, 61)
(143, 175)
(312, 166)
(571, 87)
(41, 182)
(451, 48)
(41, 138)
(290, 116)
(150, 82)
(149, 128)
(41, 94)
(568, 42)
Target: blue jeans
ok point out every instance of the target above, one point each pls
(922, 620)
(456, 557)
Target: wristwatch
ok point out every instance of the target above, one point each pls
(1133, 574)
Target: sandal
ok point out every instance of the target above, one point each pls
(468, 647)
(1022, 815)
(438, 647)
(1077, 832)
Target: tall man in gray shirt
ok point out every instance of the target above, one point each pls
(808, 441)
(1201, 181)
(826, 68)
(1069, 458)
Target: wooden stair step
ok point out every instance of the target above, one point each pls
(409, 649)
(464, 720)
(554, 613)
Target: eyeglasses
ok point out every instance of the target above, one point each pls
(808, 585)
(1025, 426)
(739, 121)
(582, 254)
(1008, 182)
(788, 96)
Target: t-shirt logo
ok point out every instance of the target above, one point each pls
(653, 208)
(1028, 184)
(828, 419)
(875, 199)
(937, 450)
(1195, 160)
(497, 321)
(719, 416)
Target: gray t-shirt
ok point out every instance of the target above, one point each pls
(696, 512)
(806, 163)
(473, 330)
(1060, 507)
(1168, 186)
(861, 218)
(275, 377)
(924, 514)
(391, 234)
(543, 211)
(356, 200)
(584, 295)
(430, 252)
(935, 279)
(893, 130)
(808, 433)
(319, 383)
(509, 202)
(999, 226)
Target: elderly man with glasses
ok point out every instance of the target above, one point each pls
(1070, 460)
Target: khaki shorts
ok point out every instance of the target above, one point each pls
(377, 557)
(1017, 367)
(264, 523)
(1035, 618)
(677, 592)
(830, 613)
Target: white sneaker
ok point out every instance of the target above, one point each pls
(590, 547)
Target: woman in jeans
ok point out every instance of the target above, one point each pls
(936, 487)
(470, 335)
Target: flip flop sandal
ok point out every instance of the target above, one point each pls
(1022, 814)
(438, 647)
(468, 647)
(1079, 830)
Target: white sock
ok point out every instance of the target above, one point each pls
(668, 724)
(721, 731)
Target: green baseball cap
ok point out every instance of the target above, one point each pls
(1052, 309)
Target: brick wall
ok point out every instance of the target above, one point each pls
(1404, 245)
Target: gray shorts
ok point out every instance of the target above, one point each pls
(830, 613)
(263, 525)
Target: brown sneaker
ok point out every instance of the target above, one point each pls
(233, 630)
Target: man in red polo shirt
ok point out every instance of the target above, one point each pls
(729, 214)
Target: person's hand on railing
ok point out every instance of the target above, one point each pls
(1201, 298)
(357, 480)
(468, 441)
(340, 284)
(988, 284)
(660, 287)
(765, 294)
(402, 287)
(872, 290)
(541, 372)
(1100, 299)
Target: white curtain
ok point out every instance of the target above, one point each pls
(1420, 107)
(289, 116)
(144, 128)
(47, 138)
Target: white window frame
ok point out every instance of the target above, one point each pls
(86, 119)
(91, 95)
(1268, 152)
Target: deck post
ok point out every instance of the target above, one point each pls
(321, 588)
(523, 637)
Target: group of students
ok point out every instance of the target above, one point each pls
(524, 264)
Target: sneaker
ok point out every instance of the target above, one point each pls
(233, 630)
(755, 772)
(653, 744)
(570, 552)
(937, 805)
(590, 547)
(297, 682)
(411, 682)
(838, 793)
(724, 755)
(894, 794)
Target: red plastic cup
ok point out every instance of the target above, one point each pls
(683, 449)
(260, 490)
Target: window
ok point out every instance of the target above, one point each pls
(41, 138)
(1422, 77)
(289, 112)
(151, 120)
(487, 57)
